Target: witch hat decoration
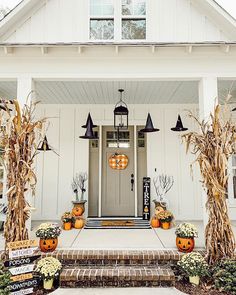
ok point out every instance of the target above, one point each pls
(45, 146)
(89, 119)
(179, 125)
(89, 134)
(149, 125)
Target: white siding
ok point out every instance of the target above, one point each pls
(67, 21)
(165, 152)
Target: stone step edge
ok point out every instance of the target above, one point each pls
(123, 274)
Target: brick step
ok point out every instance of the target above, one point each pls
(116, 257)
(118, 276)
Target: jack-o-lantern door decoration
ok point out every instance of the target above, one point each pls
(118, 161)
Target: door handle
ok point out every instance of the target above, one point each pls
(132, 182)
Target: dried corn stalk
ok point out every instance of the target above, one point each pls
(19, 135)
(213, 145)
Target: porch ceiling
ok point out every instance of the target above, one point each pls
(106, 92)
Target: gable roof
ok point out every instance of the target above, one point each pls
(216, 11)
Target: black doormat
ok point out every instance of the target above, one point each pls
(117, 224)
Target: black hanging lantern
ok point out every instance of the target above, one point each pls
(179, 126)
(89, 119)
(149, 126)
(45, 146)
(121, 114)
(89, 134)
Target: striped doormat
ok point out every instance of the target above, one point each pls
(117, 224)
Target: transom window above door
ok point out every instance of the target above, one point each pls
(117, 20)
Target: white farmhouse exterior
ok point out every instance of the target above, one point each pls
(169, 56)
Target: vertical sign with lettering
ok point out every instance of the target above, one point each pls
(146, 197)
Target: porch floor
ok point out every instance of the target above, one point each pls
(120, 238)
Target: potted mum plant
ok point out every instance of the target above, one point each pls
(67, 220)
(165, 218)
(49, 268)
(185, 234)
(78, 184)
(48, 234)
(194, 266)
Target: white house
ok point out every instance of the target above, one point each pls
(170, 56)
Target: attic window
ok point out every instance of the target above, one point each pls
(101, 19)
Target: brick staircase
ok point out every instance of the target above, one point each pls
(107, 268)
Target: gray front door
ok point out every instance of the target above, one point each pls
(118, 197)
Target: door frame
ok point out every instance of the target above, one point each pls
(100, 170)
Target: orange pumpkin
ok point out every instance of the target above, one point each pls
(155, 223)
(118, 162)
(67, 225)
(48, 245)
(78, 210)
(185, 245)
(165, 225)
(79, 223)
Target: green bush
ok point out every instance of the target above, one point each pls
(4, 280)
(225, 276)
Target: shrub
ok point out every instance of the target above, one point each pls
(186, 230)
(225, 276)
(193, 264)
(4, 280)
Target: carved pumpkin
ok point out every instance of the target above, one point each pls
(79, 223)
(118, 162)
(155, 223)
(78, 210)
(48, 245)
(185, 245)
(159, 209)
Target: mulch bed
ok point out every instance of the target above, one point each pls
(203, 289)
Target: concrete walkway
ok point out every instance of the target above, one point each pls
(120, 291)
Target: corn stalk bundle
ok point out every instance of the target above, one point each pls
(19, 135)
(212, 146)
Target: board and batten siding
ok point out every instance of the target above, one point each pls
(68, 21)
(165, 153)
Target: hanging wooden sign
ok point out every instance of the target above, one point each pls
(21, 269)
(23, 285)
(21, 252)
(118, 161)
(23, 292)
(146, 197)
(22, 277)
(21, 261)
(22, 244)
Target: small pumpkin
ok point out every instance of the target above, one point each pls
(185, 245)
(155, 223)
(165, 225)
(79, 223)
(67, 225)
(48, 245)
(78, 210)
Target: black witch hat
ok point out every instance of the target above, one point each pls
(45, 146)
(89, 134)
(149, 125)
(89, 119)
(179, 125)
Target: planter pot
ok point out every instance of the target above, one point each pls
(194, 280)
(78, 223)
(79, 208)
(165, 225)
(185, 245)
(48, 245)
(67, 225)
(48, 284)
(155, 223)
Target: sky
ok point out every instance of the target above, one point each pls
(229, 5)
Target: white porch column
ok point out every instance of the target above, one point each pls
(25, 85)
(208, 97)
